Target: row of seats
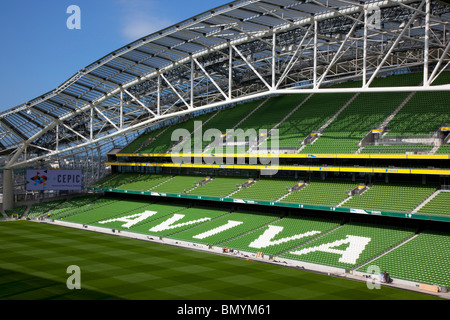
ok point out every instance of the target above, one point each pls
(40, 209)
(444, 149)
(146, 182)
(322, 193)
(20, 210)
(76, 205)
(367, 111)
(168, 138)
(116, 179)
(423, 114)
(108, 209)
(439, 205)
(380, 196)
(391, 197)
(309, 118)
(396, 149)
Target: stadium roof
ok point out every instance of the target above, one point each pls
(237, 51)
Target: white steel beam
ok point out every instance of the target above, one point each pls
(77, 133)
(336, 55)
(426, 44)
(106, 118)
(230, 72)
(274, 39)
(315, 55)
(297, 55)
(139, 102)
(251, 67)
(175, 90)
(364, 79)
(211, 79)
(435, 73)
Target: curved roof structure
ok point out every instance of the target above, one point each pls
(241, 50)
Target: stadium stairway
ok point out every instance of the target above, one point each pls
(159, 184)
(385, 123)
(279, 123)
(420, 206)
(435, 148)
(242, 187)
(209, 146)
(25, 213)
(284, 196)
(191, 141)
(235, 191)
(366, 188)
(388, 119)
(386, 252)
(322, 128)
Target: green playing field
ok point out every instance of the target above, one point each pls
(34, 258)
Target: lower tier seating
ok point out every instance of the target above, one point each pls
(350, 245)
(423, 259)
(331, 241)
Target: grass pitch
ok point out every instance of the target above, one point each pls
(34, 258)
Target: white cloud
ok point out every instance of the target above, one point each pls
(139, 19)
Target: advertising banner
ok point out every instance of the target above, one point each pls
(53, 179)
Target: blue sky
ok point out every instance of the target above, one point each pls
(39, 52)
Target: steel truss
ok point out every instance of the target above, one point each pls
(240, 51)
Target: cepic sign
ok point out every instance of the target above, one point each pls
(53, 179)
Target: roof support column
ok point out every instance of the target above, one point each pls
(158, 98)
(192, 81)
(315, 55)
(230, 72)
(8, 189)
(364, 78)
(274, 38)
(91, 125)
(121, 110)
(57, 137)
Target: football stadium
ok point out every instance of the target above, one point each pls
(261, 150)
